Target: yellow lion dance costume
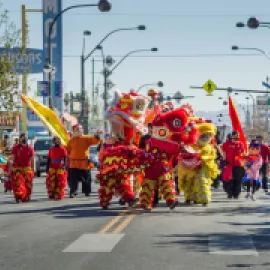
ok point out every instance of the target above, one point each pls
(197, 167)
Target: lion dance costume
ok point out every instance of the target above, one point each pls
(170, 131)
(197, 166)
(22, 174)
(126, 117)
(57, 175)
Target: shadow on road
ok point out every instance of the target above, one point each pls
(199, 242)
(69, 211)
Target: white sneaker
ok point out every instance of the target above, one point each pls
(248, 195)
(253, 197)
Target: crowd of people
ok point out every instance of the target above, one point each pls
(237, 172)
(70, 165)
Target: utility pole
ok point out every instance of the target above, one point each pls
(267, 108)
(24, 76)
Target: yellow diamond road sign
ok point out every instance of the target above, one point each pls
(209, 87)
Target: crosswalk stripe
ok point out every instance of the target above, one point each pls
(94, 243)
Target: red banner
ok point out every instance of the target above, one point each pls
(236, 123)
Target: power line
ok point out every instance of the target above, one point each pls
(175, 56)
(158, 14)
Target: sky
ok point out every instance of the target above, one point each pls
(194, 39)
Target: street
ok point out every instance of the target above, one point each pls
(77, 234)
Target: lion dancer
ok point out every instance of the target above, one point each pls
(170, 130)
(126, 119)
(22, 173)
(56, 168)
(197, 167)
(112, 184)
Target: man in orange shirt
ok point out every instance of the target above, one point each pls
(78, 153)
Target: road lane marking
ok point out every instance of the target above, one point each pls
(111, 223)
(125, 223)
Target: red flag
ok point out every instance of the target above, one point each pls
(236, 123)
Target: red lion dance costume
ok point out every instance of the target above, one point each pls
(126, 117)
(170, 131)
(57, 175)
(22, 174)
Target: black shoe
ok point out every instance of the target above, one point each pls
(173, 205)
(121, 202)
(230, 196)
(87, 194)
(188, 202)
(105, 207)
(236, 197)
(72, 195)
(18, 200)
(266, 190)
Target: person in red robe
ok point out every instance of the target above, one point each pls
(56, 169)
(22, 172)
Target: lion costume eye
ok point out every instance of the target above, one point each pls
(140, 106)
(177, 123)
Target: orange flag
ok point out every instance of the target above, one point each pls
(236, 123)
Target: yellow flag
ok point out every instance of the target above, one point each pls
(48, 117)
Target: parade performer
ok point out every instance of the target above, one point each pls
(170, 131)
(78, 153)
(252, 164)
(56, 169)
(126, 117)
(22, 173)
(197, 167)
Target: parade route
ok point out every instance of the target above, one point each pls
(76, 233)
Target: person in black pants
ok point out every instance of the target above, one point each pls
(265, 153)
(232, 150)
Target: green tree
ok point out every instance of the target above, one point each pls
(9, 80)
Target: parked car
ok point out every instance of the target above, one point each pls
(94, 155)
(41, 147)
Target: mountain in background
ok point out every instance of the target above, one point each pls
(213, 115)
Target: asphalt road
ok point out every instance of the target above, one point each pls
(76, 234)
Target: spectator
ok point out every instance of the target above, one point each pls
(264, 152)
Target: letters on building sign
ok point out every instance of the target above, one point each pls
(7, 120)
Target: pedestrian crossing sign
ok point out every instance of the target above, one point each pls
(209, 87)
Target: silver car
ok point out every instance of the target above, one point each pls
(41, 147)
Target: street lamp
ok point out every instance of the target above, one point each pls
(98, 47)
(235, 48)
(159, 84)
(84, 121)
(128, 54)
(253, 23)
(103, 5)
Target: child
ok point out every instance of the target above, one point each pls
(7, 181)
(252, 165)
